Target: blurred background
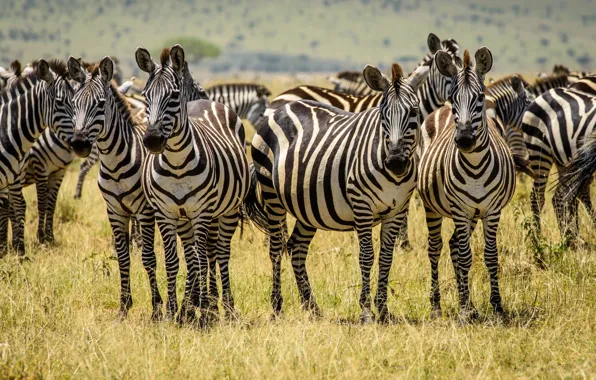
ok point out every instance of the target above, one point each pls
(231, 36)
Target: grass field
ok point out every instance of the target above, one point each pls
(58, 310)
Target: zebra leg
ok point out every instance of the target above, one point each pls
(402, 217)
(135, 232)
(389, 230)
(538, 190)
(85, 168)
(196, 280)
(464, 261)
(167, 229)
(584, 197)
(41, 187)
(212, 258)
(434, 223)
(490, 225)
(17, 202)
(4, 217)
(119, 224)
(566, 213)
(454, 249)
(366, 259)
(298, 245)
(54, 183)
(227, 227)
(146, 222)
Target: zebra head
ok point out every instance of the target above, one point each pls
(92, 113)
(508, 99)
(166, 95)
(467, 95)
(399, 113)
(257, 109)
(59, 114)
(438, 85)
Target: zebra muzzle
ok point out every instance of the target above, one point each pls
(81, 145)
(154, 140)
(398, 164)
(465, 139)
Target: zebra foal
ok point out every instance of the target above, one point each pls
(467, 174)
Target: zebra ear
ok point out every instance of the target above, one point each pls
(43, 69)
(75, 70)
(106, 69)
(517, 85)
(375, 79)
(418, 77)
(445, 64)
(177, 57)
(144, 60)
(484, 61)
(434, 43)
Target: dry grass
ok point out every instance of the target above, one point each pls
(57, 311)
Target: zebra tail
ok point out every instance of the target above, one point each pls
(252, 206)
(522, 165)
(580, 169)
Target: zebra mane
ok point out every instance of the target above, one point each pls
(467, 59)
(16, 68)
(548, 82)
(30, 79)
(164, 57)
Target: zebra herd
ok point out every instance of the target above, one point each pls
(338, 160)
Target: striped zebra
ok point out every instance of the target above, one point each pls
(432, 94)
(555, 126)
(198, 171)
(506, 101)
(467, 173)
(339, 171)
(248, 101)
(42, 98)
(103, 118)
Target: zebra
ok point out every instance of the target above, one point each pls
(467, 173)
(340, 171)
(506, 101)
(554, 127)
(248, 101)
(198, 171)
(432, 94)
(33, 102)
(104, 119)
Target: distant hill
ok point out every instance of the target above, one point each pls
(286, 35)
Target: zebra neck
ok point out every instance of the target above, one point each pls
(24, 117)
(429, 96)
(115, 143)
(478, 157)
(182, 148)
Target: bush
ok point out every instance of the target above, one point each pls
(195, 48)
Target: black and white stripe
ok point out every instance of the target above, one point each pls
(247, 100)
(198, 172)
(467, 174)
(554, 127)
(340, 171)
(35, 101)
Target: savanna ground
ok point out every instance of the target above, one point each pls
(58, 309)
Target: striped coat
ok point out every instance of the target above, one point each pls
(467, 174)
(340, 171)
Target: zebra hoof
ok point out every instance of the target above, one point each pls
(367, 317)
(387, 318)
(468, 315)
(157, 315)
(436, 313)
(406, 246)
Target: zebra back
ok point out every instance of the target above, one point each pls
(247, 100)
